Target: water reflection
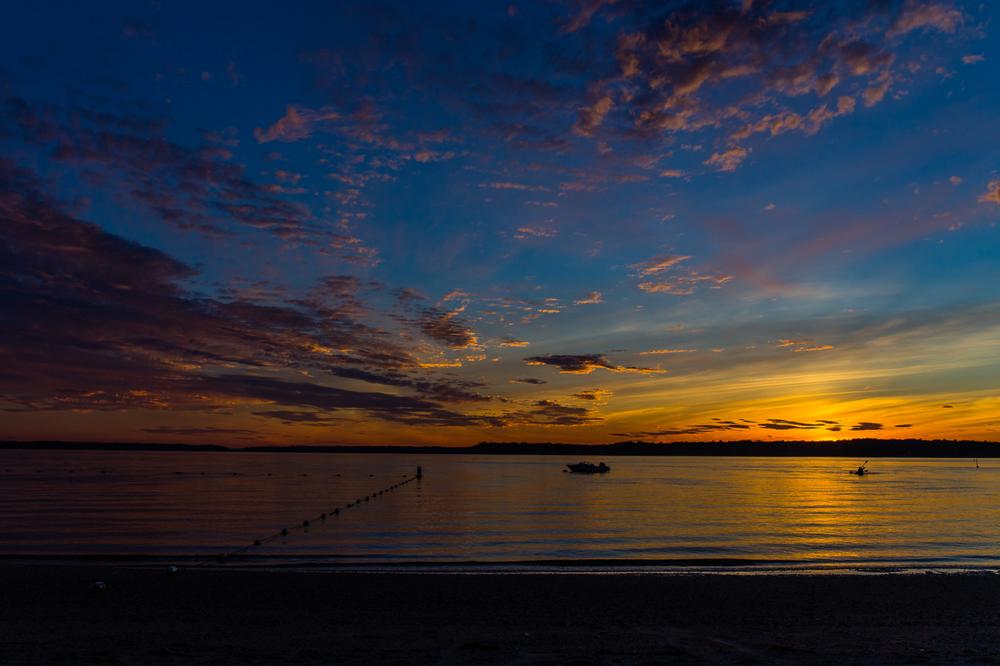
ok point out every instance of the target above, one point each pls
(498, 508)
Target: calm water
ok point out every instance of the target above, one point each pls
(801, 512)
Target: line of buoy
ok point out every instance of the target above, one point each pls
(335, 511)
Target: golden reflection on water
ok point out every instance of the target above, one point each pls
(501, 508)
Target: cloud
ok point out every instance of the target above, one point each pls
(507, 185)
(803, 345)
(992, 193)
(386, 406)
(658, 264)
(298, 123)
(723, 425)
(528, 380)
(678, 284)
(654, 352)
(697, 67)
(508, 341)
(197, 187)
(593, 395)
(729, 159)
(446, 327)
(592, 298)
(584, 364)
(185, 432)
(683, 285)
(972, 59)
(591, 117)
(292, 417)
(524, 233)
(918, 15)
(552, 413)
(94, 322)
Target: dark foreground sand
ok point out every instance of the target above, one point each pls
(49, 615)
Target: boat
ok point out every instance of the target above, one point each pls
(861, 470)
(588, 468)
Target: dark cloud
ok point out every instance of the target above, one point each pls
(390, 407)
(170, 430)
(584, 364)
(191, 186)
(447, 328)
(91, 321)
(596, 394)
(867, 425)
(290, 417)
(551, 413)
(528, 380)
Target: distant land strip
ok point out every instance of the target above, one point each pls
(849, 448)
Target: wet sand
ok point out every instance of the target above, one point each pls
(49, 614)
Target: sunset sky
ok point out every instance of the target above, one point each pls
(543, 221)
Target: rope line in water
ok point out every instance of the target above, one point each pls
(304, 525)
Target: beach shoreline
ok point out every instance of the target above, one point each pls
(146, 615)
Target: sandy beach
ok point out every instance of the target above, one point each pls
(50, 614)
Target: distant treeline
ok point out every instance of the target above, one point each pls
(851, 448)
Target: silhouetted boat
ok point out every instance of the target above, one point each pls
(588, 468)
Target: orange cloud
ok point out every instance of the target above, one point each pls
(593, 298)
(297, 123)
(933, 16)
(992, 193)
(728, 160)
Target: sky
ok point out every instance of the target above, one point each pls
(447, 222)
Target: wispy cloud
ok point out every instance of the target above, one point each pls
(584, 364)
(593, 298)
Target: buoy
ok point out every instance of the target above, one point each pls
(98, 586)
(305, 523)
(172, 570)
(284, 531)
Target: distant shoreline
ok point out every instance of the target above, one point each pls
(854, 448)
